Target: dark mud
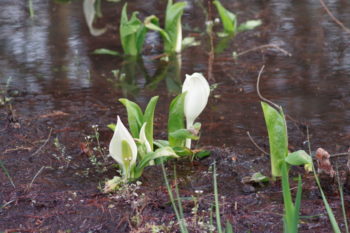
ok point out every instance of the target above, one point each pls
(57, 89)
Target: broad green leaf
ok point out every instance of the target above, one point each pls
(90, 13)
(132, 33)
(176, 119)
(104, 51)
(299, 157)
(148, 118)
(163, 152)
(229, 20)
(182, 134)
(278, 138)
(249, 25)
(135, 116)
(182, 151)
(161, 143)
(173, 25)
(202, 154)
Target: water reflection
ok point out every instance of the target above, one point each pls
(50, 57)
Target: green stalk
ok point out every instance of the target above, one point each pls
(217, 204)
(330, 213)
(183, 228)
(341, 192)
(7, 173)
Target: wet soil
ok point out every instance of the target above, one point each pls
(54, 90)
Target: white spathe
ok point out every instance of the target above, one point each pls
(198, 90)
(143, 138)
(115, 146)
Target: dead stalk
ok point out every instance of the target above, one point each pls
(42, 146)
(333, 17)
(255, 144)
(36, 175)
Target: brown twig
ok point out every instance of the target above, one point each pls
(42, 146)
(261, 47)
(334, 18)
(259, 94)
(256, 145)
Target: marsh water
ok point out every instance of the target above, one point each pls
(54, 80)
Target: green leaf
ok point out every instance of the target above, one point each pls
(135, 116)
(189, 42)
(173, 25)
(111, 126)
(228, 19)
(278, 138)
(152, 23)
(163, 152)
(148, 118)
(104, 51)
(176, 119)
(182, 151)
(299, 157)
(257, 177)
(161, 143)
(132, 33)
(90, 13)
(229, 228)
(202, 154)
(249, 25)
(182, 134)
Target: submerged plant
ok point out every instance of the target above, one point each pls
(132, 33)
(172, 32)
(230, 23)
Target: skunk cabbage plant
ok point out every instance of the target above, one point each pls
(172, 32)
(123, 149)
(197, 92)
(229, 21)
(132, 33)
(132, 159)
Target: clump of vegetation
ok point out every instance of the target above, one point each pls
(133, 152)
(230, 22)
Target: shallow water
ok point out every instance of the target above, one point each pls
(50, 62)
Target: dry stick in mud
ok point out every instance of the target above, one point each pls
(334, 18)
(42, 146)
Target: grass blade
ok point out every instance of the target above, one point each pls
(217, 204)
(183, 228)
(7, 173)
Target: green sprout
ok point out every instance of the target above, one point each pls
(132, 33)
(230, 22)
(172, 32)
